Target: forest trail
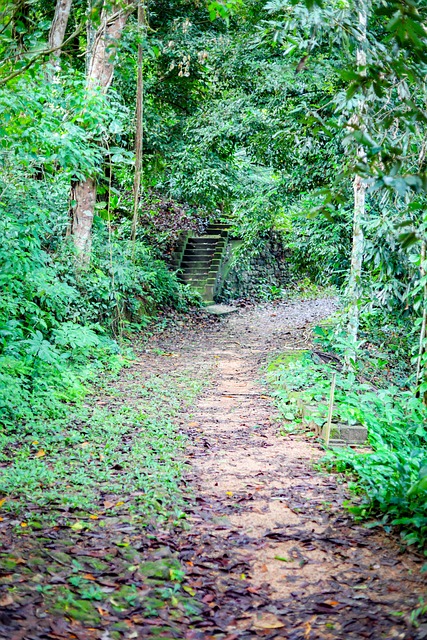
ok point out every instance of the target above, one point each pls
(271, 551)
(267, 549)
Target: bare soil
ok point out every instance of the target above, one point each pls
(271, 549)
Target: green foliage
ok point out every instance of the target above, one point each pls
(319, 246)
(108, 469)
(54, 322)
(59, 126)
(391, 477)
(62, 461)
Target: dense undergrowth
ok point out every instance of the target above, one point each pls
(388, 480)
(106, 450)
(87, 490)
(59, 324)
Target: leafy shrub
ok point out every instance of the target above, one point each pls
(319, 247)
(392, 477)
(55, 323)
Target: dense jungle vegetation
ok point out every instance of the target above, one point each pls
(300, 120)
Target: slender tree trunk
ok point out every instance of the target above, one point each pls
(99, 74)
(359, 190)
(354, 285)
(58, 28)
(421, 350)
(139, 130)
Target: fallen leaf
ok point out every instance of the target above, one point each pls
(40, 453)
(93, 517)
(88, 576)
(267, 621)
(2, 501)
(189, 590)
(6, 600)
(193, 424)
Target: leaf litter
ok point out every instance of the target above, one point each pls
(266, 549)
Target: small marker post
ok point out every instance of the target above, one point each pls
(331, 408)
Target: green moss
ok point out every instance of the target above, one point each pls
(285, 359)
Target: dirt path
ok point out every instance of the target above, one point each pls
(271, 553)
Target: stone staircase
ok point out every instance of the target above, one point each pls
(202, 257)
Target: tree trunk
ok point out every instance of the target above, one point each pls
(139, 129)
(359, 190)
(100, 74)
(58, 28)
(101, 64)
(354, 284)
(83, 195)
(421, 350)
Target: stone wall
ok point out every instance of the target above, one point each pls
(257, 274)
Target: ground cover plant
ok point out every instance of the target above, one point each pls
(388, 480)
(84, 494)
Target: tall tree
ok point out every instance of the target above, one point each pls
(99, 75)
(359, 191)
(139, 129)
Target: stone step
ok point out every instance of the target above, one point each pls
(200, 250)
(189, 258)
(202, 257)
(204, 240)
(204, 271)
(196, 274)
(217, 237)
(206, 259)
(196, 264)
(217, 225)
(197, 284)
(217, 232)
